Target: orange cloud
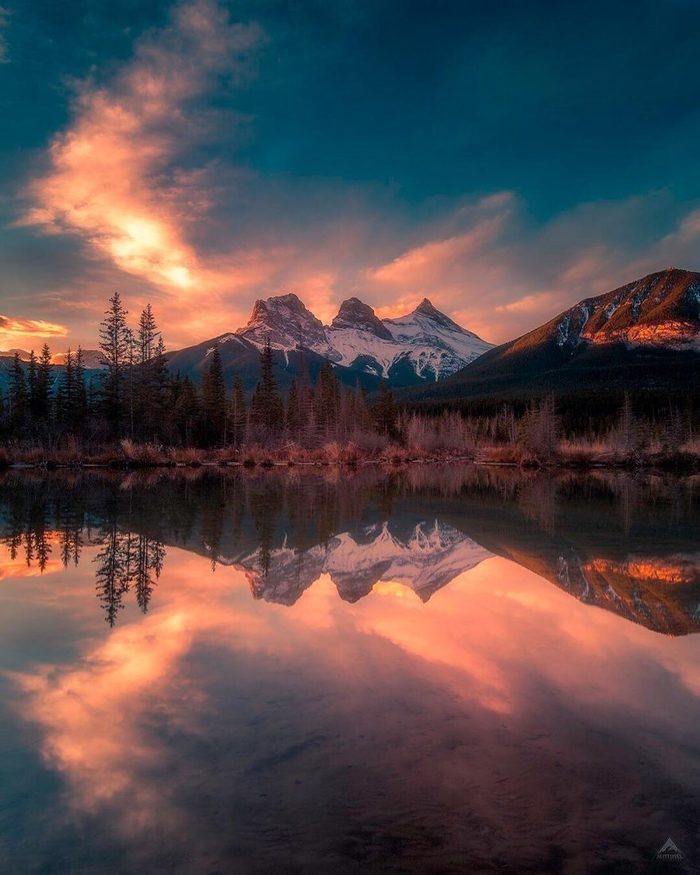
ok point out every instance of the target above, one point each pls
(111, 178)
(16, 331)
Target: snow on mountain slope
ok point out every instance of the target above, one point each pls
(659, 310)
(428, 558)
(643, 336)
(422, 345)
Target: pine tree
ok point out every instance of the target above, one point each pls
(326, 400)
(66, 393)
(183, 408)
(292, 418)
(150, 375)
(385, 411)
(115, 344)
(158, 383)
(130, 400)
(214, 400)
(80, 391)
(146, 335)
(42, 405)
(18, 395)
(32, 384)
(238, 412)
(266, 407)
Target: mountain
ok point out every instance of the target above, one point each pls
(424, 559)
(10, 354)
(644, 335)
(93, 359)
(240, 354)
(412, 349)
(424, 345)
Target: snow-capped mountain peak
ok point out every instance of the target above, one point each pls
(354, 314)
(422, 345)
(423, 559)
(285, 321)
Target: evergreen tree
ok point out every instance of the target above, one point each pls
(292, 414)
(158, 382)
(42, 404)
(183, 408)
(214, 400)
(130, 399)
(238, 412)
(150, 375)
(18, 396)
(32, 385)
(66, 393)
(266, 407)
(385, 411)
(146, 335)
(115, 344)
(80, 391)
(326, 401)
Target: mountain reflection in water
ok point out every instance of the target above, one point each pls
(391, 671)
(627, 544)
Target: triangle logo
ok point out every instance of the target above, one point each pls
(669, 851)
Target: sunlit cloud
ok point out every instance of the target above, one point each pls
(499, 274)
(160, 222)
(18, 331)
(113, 177)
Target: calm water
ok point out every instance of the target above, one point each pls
(289, 671)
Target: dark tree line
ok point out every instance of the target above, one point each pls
(136, 397)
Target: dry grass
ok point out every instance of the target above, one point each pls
(426, 446)
(143, 454)
(186, 456)
(583, 453)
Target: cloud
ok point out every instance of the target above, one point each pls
(501, 274)
(13, 331)
(203, 238)
(114, 177)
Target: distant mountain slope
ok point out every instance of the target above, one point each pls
(241, 356)
(93, 359)
(425, 345)
(644, 335)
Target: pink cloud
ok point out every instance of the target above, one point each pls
(17, 331)
(111, 178)
(117, 178)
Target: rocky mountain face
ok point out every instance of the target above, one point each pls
(285, 322)
(423, 559)
(420, 346)
(644, 335)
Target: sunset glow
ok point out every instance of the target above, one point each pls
(165, 180)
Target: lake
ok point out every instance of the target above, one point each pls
(306, 670)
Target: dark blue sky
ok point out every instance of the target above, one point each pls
(502, 158)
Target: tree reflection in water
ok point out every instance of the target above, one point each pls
(621, 542)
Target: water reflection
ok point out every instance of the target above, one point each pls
(627, 544)
(455, 709)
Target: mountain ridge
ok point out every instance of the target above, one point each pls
(643, 335)
(419, 346)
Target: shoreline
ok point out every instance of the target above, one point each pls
(663, 464)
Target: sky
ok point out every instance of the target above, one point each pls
(503, 159)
